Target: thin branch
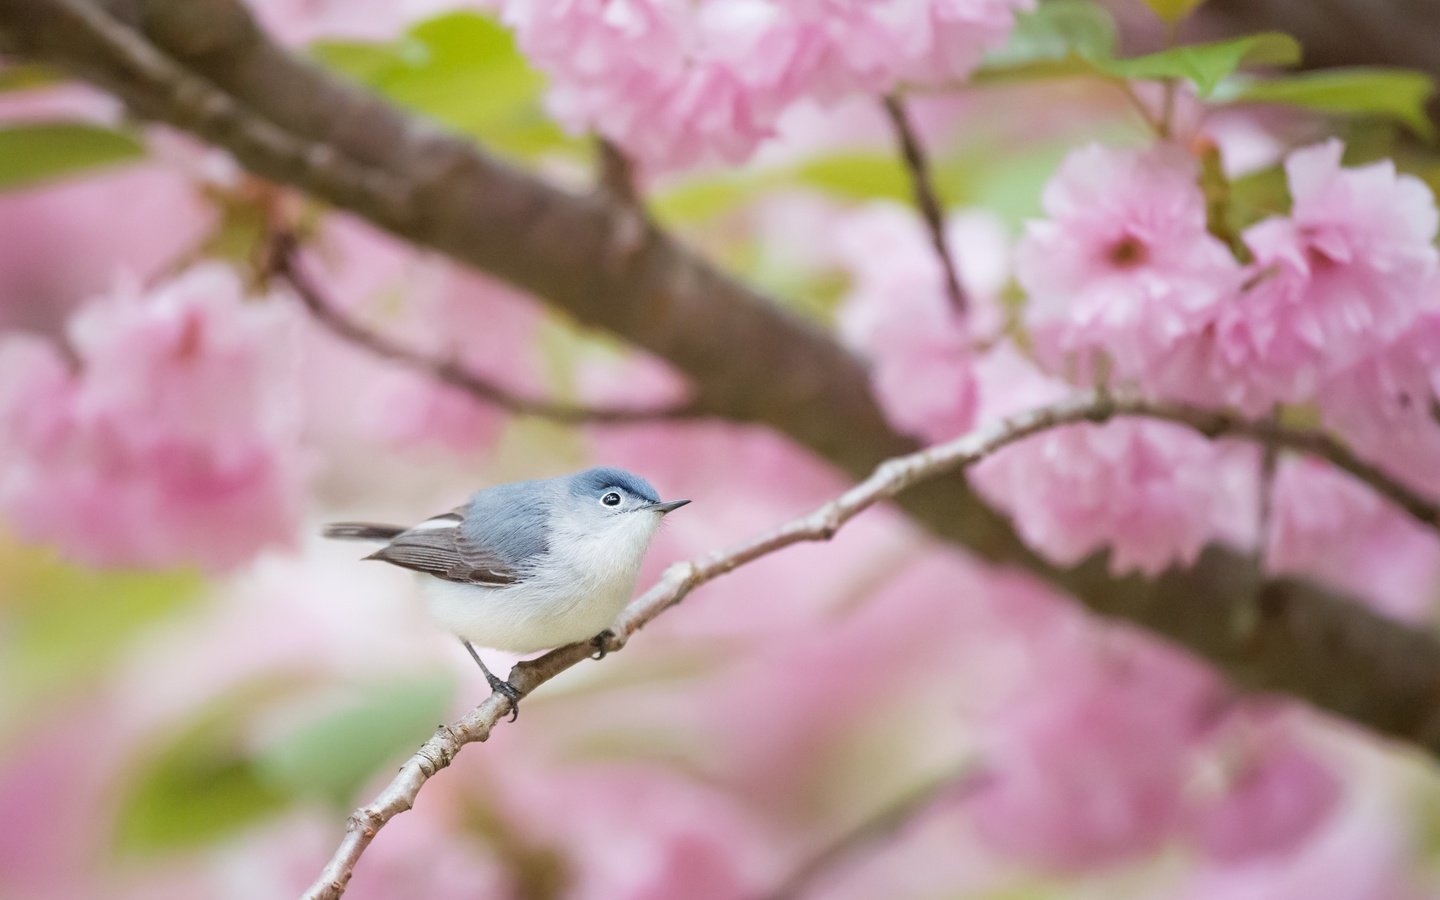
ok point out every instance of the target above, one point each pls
(879, 827)
(1275, 436)
(284, 262)
(927, 199)
(617, 173)
(888, 480)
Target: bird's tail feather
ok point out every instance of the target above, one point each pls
(361, 531)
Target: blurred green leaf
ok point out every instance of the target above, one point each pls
(66, 624)
(1398, 94)
(1205, 65)
(200, 785)
(463, 70)
(1073, 38)
(41, 151)
(1173, 11)
(857, 176)
(334, 755)
(1055, 31)
(24, 76)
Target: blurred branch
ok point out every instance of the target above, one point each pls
(284, 262)
(879, 827)
(206, 67)
(889, 479)
(1275, 437)
(927, 199)
(617, 172)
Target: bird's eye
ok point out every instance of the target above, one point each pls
(611, 499)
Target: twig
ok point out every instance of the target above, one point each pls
(926, 197)
(879, 827)
(617, 173)
(889, 479)
(284, 262)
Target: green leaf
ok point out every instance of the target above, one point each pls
(41, 151)
(1205, 65)
(463, 70)
(200, 786)
(333, 756)
(64, 624)
(1399, 94)
(24, 76)
(1052, 41)
(1055, 31)
(1173, 11)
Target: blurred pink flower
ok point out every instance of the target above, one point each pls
(1085, 766)
(1328, 525)
(1154, 492)
(1385, 406)
(898, 315)
(1277, 796)
(678, 83)
(177, 440)
(426, 304)
(1347, 273)
(640, 832)
(1361, 853)
(1123, 265)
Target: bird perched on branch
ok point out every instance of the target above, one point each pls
(530, 565)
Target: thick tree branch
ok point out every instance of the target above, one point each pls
(1242, 619)
(927, 199)
(285, 263)
(203, 66)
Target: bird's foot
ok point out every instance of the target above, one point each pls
(601, 643)
(501, 686)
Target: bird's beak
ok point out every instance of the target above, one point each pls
(668, 505)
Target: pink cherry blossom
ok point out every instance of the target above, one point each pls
(1385, 406)
(1327, 525)
(1085, 766)
(1277, 794)
(175, 442)
(1361, 853)
(1123, 264)
(898, 314)
(1155, 493)
(639, 832)
(678, 83)
(1349, 271)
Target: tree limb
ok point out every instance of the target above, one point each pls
(203, 65)
(1265, 602)
(284, 262)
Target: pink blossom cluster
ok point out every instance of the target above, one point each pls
(1124, 281)
(676, 82)
(897, 312)
(166, 433)
(1115, 747)
(1124, 268)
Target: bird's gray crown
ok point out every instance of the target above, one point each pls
(593, 481)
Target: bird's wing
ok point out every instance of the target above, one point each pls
(441, 548)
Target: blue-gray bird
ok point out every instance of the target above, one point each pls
(531, 565)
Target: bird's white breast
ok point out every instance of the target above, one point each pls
(575, 592)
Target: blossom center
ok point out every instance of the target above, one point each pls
(1128, 252)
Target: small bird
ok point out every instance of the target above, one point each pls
(529, 565)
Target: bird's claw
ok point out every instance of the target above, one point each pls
(500, 686)
(601, 643)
